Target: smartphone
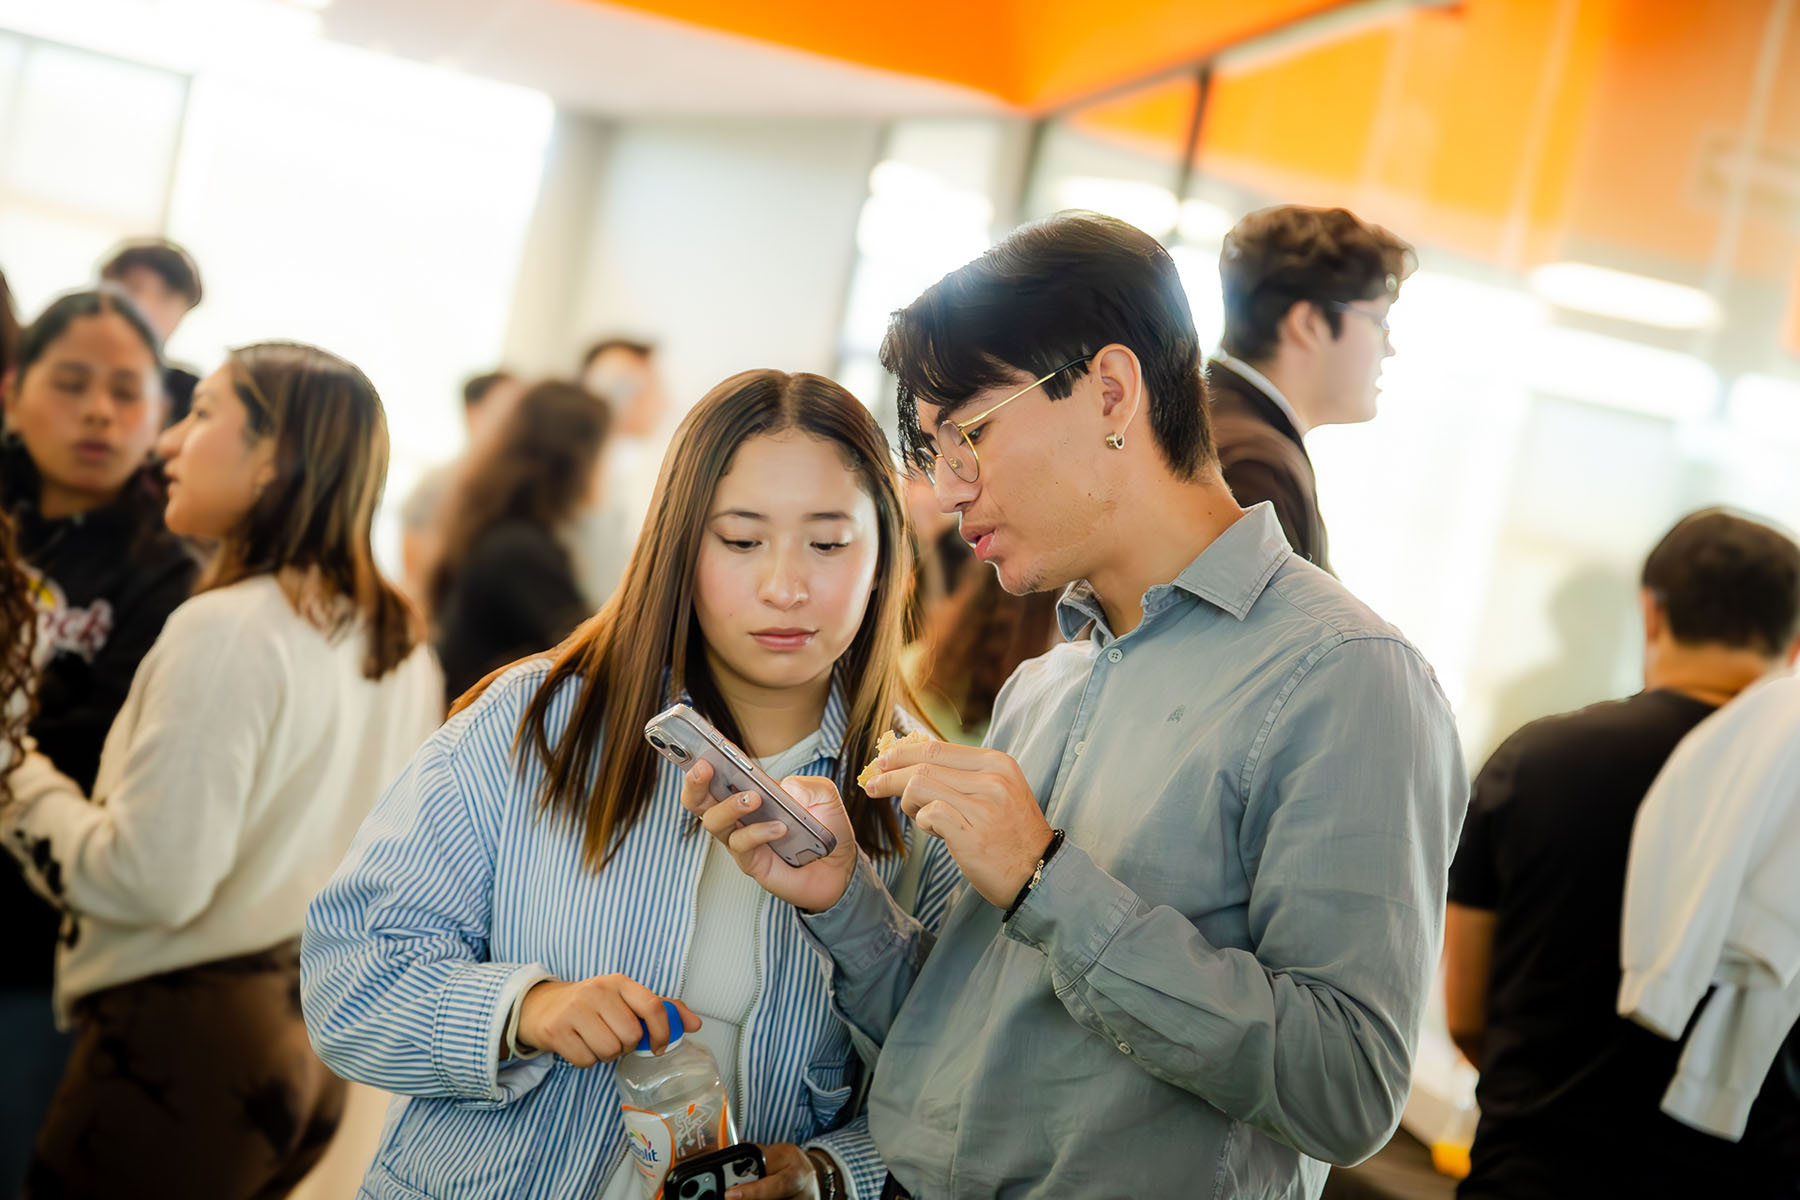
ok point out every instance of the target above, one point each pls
(684, 737)
(710, 1174)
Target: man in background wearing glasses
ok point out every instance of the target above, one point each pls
(1307, 292)
(1207, 840)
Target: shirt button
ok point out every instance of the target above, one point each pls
(1115, 654)
(1124, 1047)
(1079, 747)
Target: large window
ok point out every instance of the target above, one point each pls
(87, 153)
(381, 217)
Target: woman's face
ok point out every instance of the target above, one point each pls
(786, 565)
(215, 470)
(88, 411)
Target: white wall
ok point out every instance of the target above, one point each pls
(727, 242)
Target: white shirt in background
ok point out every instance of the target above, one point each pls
(247, 753)
(1712, 899)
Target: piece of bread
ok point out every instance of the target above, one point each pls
(887, 741)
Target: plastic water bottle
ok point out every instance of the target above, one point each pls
(673, 1103)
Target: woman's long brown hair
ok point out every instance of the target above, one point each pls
(644, 647)
(331, 457)
(535, 466)
(979, 637)
(18, 633)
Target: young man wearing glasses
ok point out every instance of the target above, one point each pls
(1307, 292)
(1207, 841)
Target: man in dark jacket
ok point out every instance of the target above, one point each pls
(1307, 292)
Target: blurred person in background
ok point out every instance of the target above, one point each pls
(972, 644)
(622, 372)
(485, 399)
(163, 280)
(83, 406)
(532, 886)
(1569, 1090)
(941, 558)
(1307, 293)
(503, 586)
(259, 731)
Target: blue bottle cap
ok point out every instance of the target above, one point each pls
(675, 1029)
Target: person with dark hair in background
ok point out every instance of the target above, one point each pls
(623, 372)
(1307, 293)
(83, 406)
(1569, 1090)
(486, 399)
(502, 586)
(1206, 841)
(259, 731)
(163, 280)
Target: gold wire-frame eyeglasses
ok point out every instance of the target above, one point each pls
(957, 451)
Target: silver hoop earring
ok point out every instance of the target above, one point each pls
(1116, 440)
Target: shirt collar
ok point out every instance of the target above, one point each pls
(1261, 383)
(1229, 574)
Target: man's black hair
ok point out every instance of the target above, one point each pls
(1054, 291)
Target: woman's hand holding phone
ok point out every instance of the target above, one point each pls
(595, 1020)
(812, 888)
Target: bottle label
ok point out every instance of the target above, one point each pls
(656, 1143)
(651, 1142)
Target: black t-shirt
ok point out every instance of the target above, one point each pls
(1570, 1092)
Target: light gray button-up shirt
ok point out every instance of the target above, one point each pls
(1216, 988)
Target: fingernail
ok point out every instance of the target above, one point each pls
(780, 829)
(746, 801)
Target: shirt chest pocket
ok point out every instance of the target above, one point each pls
(829, 1086)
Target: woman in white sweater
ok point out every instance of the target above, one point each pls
(259, 730)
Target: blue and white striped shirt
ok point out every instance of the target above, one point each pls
(457, 892)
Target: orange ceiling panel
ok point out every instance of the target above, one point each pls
(1030, 53)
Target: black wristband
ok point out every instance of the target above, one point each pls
(1037, 874)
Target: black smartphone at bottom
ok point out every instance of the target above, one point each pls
(710, 1174)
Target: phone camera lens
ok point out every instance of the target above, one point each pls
(691, 1188)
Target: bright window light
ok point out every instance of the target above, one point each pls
(1204, 221)
(1620, 374)
(1766, 408)
(1149, 206)
(1627, 297)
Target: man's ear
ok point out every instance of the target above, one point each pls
(1121, 386)
(1303, 326)
(1654, 616)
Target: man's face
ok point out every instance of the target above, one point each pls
(1352, 361)
(161, 305)
(1035, 509)
(627, 381)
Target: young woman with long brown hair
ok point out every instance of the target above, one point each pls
(503, 585)
(533, 884)
(257, 733)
